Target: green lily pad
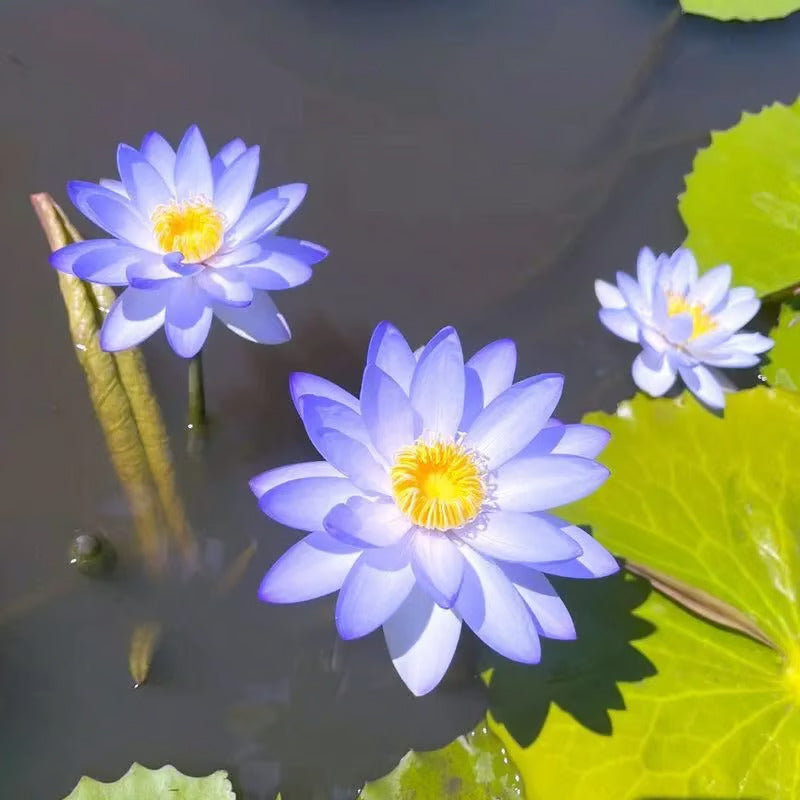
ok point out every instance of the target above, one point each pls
(745, 10)
(473, 767)
(742, 200)
(711, 501)
(783, 368)
(140, 783)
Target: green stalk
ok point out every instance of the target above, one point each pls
(197, 395)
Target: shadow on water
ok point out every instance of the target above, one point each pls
(581, 677)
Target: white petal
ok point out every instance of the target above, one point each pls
(702, 384)
(653, 380)
(712, 286)
(608, 295)
(620, 322)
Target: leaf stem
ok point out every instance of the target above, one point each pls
(197, 395)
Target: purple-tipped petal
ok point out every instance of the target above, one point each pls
(389, 351)
(422, 639)
(367, 523)
(317, 565)
(541, 482)
(256, 218)
(550, 615)
(188, 318)
(711, 287)
(262, 483)
(587, 441)
(99, 260)
(387, 412)
(226, 285)
(143, 182)
(594, 562)
(609, 295)
(227, 154)
(511, 420)
(493, 608)
(235, 186)
(437, 387)
(620, 322)
(134, 315)
(303, 383)
(112, 212)
(304, 503)
(259, 322)
(702, 383)
(438, 565)
(158, 151)
(374, 589)
(519, 537)
(653, 373)
(193, 168)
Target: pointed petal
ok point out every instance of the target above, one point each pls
(495, 365)
(493, 608)
(188, 317)
(608, 295)
(702, 384)
(386, 410)
(422, 639)
(227, 154)
(256, 218)
(158, 151)
(587, 441)
(632, 292)
(389, 351)
(99, 260)
(712, 286)
(235, 187)
(646, 272)
(282, 264)
(303, 383)
(735, 316)
(226, 285)
(437, 387)
(653, 380)
(134, 315)
(683, 270)
(143, 183)
(367, 523)
(259, 322)
(376, 586)
(262, 483)
(305, 502)
(594, 562)
(550, 615)
(438, 565)
(511, 420)
(620, 322)
(193, 168)
(317, 565)
(541, 482)
(518, 537)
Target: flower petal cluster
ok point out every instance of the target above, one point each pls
(430, 506)
(189, 242)
(687, 325)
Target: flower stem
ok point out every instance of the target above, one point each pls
(197, 395)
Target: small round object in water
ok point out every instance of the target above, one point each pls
(91, 553)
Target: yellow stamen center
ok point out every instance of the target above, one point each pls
(702, 321)
(194, 229)
(437, 485)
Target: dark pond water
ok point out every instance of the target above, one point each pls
(473, 162)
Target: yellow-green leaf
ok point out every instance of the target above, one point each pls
(783, 367)
(742, 200)
(140, 783)
(745, 10)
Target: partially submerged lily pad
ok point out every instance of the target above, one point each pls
(783, 367)
(712, 502)
(473, 767)
(141, 783)
(742, 199)
(744, 10)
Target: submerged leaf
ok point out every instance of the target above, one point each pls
(745, 10)
(140, 783)
(783, 368)
(143, 645)
(742, 200)
(709, 507)
(473, 767)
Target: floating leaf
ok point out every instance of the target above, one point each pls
(745, 10)
(140, 783)
(742, 199)
(473, 767)
(712, 502)
(783, 368)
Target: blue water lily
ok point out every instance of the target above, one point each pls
(687, 325)
(429, 509)
(189, 242)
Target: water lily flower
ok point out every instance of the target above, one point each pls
(430, 506)
(687, 325)
(189, 242)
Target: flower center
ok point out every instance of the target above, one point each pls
(193, 229)
(702, 321)
(438, 485)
